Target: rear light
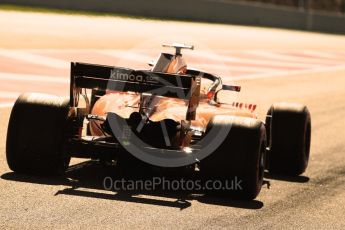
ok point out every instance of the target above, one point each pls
(210, 95)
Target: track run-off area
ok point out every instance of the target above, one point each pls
(47, 71)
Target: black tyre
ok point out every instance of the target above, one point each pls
(240, 157)
(289, 131)
(35, 134)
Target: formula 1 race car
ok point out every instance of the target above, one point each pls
(169, 119)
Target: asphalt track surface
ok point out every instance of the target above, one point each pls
(271, 65)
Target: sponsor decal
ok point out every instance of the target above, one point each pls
(117, 74)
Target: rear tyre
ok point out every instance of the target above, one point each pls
(240, 157)
(35, 134)
(289, 130)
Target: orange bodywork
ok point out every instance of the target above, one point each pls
(125, 103)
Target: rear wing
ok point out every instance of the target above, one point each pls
(101, 77)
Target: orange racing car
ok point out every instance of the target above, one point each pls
(169, 118)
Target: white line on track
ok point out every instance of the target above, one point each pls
(295, 59)
(9, 94)
(229, 68)
(319, 54)
(6, 105)
(279, 64)
(127, 55)
(35, 58)
(287, 73)
(38, 78)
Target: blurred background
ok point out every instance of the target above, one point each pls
(310, 15)
(337, 6)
